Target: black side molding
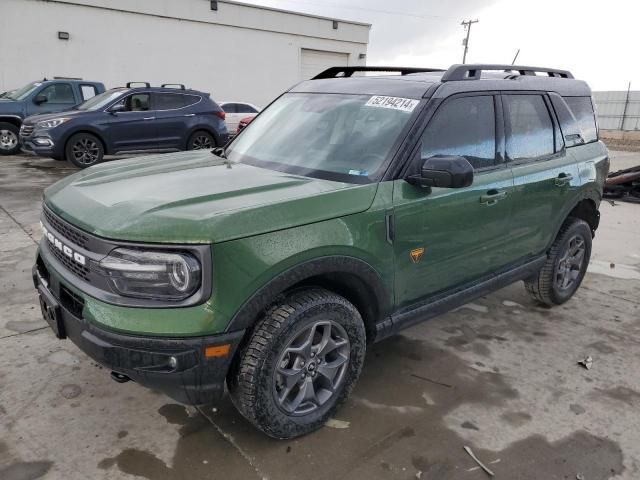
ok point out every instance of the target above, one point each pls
(448, 300)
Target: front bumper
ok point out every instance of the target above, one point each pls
(41, 145)
(191, 379)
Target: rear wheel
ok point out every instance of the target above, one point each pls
(84, 150)
(301, 362)
(9, 144)
(201, 140)
(566, 265)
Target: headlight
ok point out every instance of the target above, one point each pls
(54, 122)
(153, 275)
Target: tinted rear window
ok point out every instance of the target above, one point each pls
(530, 132)
(168, 101)
(582, 109)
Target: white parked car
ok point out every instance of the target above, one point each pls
(236, 111)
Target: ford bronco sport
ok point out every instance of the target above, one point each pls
(349, 209)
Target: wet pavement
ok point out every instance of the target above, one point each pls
(499, 375)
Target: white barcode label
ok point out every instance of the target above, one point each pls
(395, 103)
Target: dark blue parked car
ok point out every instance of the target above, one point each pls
(126, 120)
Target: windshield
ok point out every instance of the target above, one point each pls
(100, 101)
(24, 92)
(346, 136)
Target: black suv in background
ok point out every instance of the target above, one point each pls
(126, 120)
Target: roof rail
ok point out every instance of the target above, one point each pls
(342, 72)
(473, 71)
(146, 84)
(172, 85)
(67, 78)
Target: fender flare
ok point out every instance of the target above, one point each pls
(374, 304)
(590, 194)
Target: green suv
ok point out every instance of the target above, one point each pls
(354, 206)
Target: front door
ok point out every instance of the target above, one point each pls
(59, 97)
(135, 127)
(545, 174)
(447, 237)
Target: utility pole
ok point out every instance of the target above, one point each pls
(467, 26)
(626, 105)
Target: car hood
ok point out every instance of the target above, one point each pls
(48, 116)
(10, 106)
(194, 197)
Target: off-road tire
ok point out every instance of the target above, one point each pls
(94, 150)
(15, 133)
(543, 286)
(251, 377)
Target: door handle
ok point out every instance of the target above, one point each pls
(189, 114)
(149, 118)
(492, 197)
(563, 179)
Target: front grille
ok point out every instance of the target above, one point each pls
(79, 270)
(26, 130)
(66, 230)
(71, 301)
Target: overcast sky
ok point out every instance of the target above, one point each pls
(592, 39)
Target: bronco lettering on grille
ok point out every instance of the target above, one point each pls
(68, 251)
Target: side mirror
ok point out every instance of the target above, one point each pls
(444, 171)
(118, 107)
(39, 99)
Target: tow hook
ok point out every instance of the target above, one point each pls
(119, 377)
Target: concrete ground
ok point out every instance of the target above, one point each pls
(499, 375)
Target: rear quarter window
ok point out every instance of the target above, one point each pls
(582, 110)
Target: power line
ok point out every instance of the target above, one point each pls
(467, 26)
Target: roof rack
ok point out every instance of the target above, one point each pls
(173, 85)
(474, 71)
(146, 84)
(344, 72)
(67, 78)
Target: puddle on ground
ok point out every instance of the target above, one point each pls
(13, 469)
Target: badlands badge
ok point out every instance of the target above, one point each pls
(416, 254)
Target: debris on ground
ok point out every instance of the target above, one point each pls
(579, 477)
(334, 423)
(482, 465)
(587, 362)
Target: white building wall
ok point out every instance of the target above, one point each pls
(240, 52)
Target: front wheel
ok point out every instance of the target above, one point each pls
(9, 144)
(84, 150)
(201, 140)
(301, 362)
(566, 265)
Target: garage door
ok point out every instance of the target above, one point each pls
(315, 61)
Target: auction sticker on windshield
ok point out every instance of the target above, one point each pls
(395, 103)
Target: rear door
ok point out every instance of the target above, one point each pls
(172, 119)
(134, 128)
(232, 116)
(447, 237)
(545, 176)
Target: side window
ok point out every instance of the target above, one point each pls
(59, 93)
(465, 127)
(191, 100)
(229, 108)
(529, 127)
(88, 91)
(168, 101)
(582, 109)
(244, 108)
(138, 102)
